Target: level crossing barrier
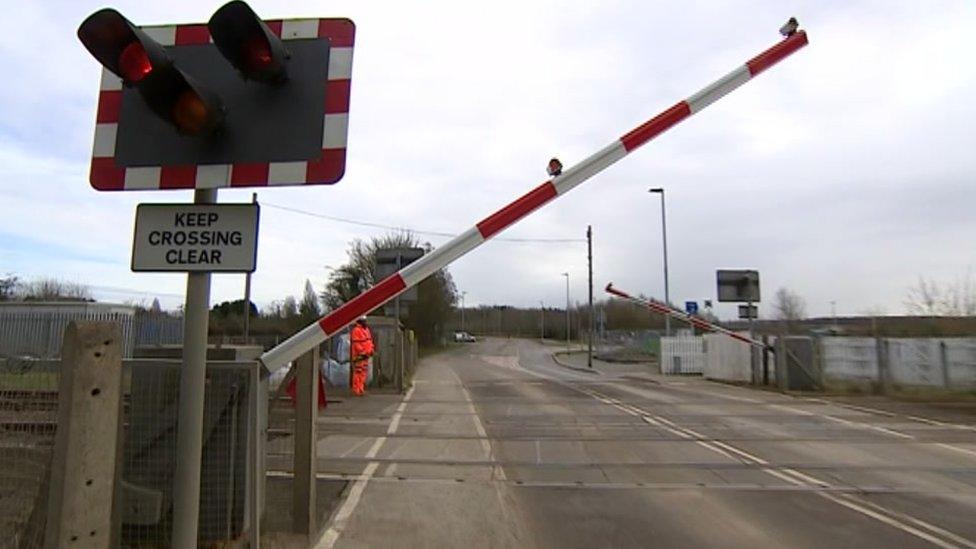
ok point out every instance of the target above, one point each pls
(559, 184)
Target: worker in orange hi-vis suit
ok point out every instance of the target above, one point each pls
(361, 348)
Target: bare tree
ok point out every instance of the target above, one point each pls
(929, 298)
(788, 305)
(52, 289)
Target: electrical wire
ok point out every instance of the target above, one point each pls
(415, 231)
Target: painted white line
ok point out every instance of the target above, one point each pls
(892, 522)
(942, 423)
(893, 414)
(900, 521)
(956, 448)
(842, 421)
(867, 426)
(347, 507)
(797, 478)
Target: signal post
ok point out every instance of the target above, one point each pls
(235, 102)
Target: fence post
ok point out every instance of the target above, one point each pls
(881, 348)
(82, 495)
(306, 411)
(944, 356)
(765, 360)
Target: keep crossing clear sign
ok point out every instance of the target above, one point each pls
(196, 237)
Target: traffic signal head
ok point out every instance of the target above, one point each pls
(248, 44)
(141, 62)
(121, 46)
(235, 102)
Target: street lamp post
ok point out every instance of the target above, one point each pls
(664, 237)
(542, 321)
(567, 310)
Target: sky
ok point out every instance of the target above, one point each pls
(844, 173)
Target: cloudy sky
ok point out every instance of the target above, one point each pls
(844, 173)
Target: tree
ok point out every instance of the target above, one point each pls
(52, 289)
(155, 308)
(788, 305)
(8, 287)
(309, 309)
(432, 312)
(289, 308)
(226, 309)
(929, 298)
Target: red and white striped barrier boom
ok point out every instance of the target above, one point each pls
(659, 307)
(417, 271)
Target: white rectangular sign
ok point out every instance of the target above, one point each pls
(196, 237)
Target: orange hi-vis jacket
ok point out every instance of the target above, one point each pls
(361, 341)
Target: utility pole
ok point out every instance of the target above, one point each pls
(542, 321)
(567, 310)
(664, 237)
(462, 309)
(247, 293)
(589, 258)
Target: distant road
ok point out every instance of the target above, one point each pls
(498, 446)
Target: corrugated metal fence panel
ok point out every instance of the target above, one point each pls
(850, 358)
(682, 355)
(961, 358)
(157, 329)
(39, 334)
(727, 359)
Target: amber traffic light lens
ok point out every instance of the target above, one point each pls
(190, 113)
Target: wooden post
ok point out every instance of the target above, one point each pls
(82, 493)
(306, 412)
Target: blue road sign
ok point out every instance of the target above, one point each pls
(691, 307)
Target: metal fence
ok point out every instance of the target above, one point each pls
(37, 330)
(28, 421)
(235, 423)
(683, 354)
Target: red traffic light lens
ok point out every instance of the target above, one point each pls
(257, 54)
(134, 63)
(190, 113)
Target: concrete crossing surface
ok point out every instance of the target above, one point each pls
(496, 445)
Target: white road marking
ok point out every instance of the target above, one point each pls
(842, 421)
(893, 414)
(480, 429)
(801, 479)
(331, 535)
(956, 448)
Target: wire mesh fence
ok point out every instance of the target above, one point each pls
(234, 423)
(37, 329)
(28, 423)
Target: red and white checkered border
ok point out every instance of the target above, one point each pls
(106, 176)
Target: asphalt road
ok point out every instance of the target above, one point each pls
(498, 446)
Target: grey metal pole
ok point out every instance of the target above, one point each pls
(189, 441)
(667, 289)
(567, 310)
(589, 258)
(542, 321)
(462, 309)
(398, 335)
(753, 356)
(247, 292)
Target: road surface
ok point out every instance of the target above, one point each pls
(498, 446)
